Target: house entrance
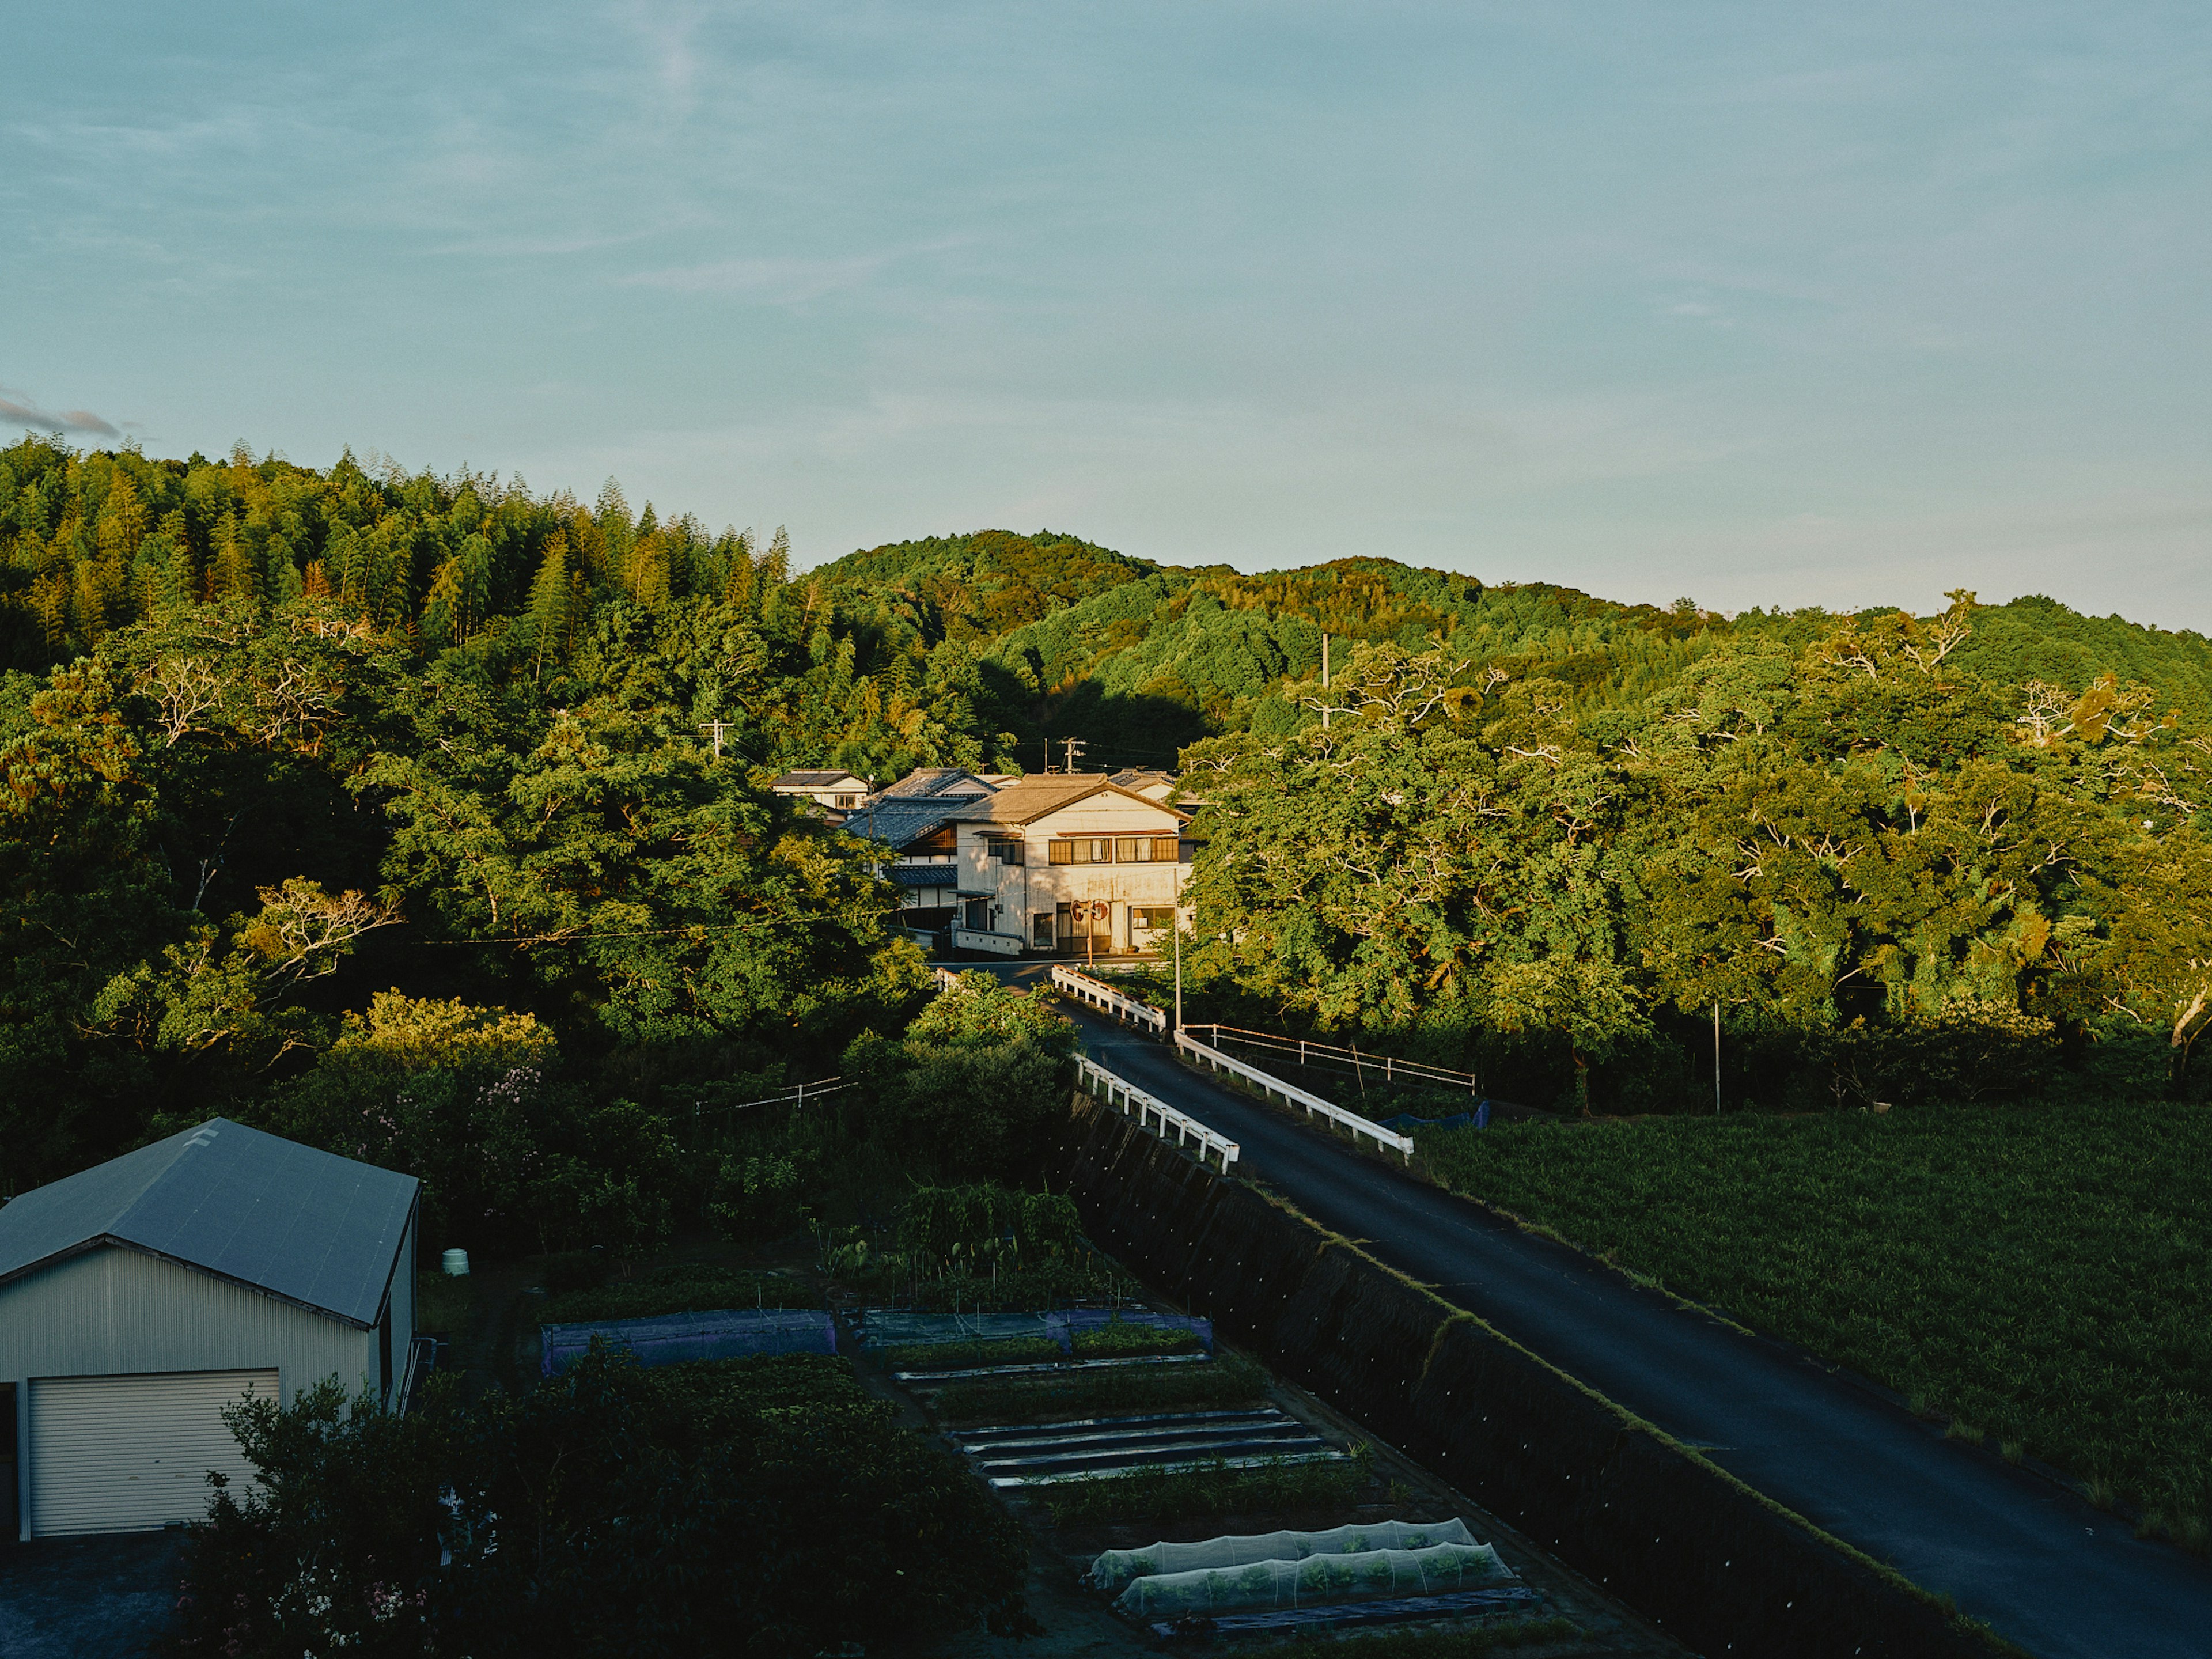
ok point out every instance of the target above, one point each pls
(1086, 927)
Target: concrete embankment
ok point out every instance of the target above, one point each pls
(1716, 1565)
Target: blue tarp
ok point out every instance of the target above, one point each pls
(669, 1339)
(1406, 1122)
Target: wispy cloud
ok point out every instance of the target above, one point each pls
(19, 407)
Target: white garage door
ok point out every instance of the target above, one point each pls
(126, 1454)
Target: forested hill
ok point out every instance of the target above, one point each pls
(277, 737)
(963, 650)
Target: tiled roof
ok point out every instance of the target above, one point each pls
(937, 780)
(811, 780)
(946, 874)
(255, 1208)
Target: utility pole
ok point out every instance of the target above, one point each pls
(1717, 1059)
(1178, 950)
(717, 727)
(1074, 746)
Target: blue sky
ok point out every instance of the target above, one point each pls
(1756, 304)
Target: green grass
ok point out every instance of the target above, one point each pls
(1123, 1339)
(2039, 1272)
(957, 1356)
(1228, 1382)
(1158, 1495)
(680, 1287)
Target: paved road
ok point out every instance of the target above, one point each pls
(2039, 1563)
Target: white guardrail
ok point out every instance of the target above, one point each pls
(1133, 1102)
(1294, 1095)
(1083, 988)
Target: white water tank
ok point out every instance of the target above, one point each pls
(457, 1264)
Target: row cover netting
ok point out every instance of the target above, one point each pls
(1316, 1580)
(1115, 1568)
(669, 1338)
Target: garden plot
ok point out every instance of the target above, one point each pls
(929, 1351)
(1093, 1449)
(1285, 1580)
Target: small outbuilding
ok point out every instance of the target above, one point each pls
(139, 1297)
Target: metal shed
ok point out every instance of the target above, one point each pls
(140, 1296)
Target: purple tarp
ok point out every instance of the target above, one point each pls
(669, 1339)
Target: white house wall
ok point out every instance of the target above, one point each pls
(113, 1310)
(1037, 884)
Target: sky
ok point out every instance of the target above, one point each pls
(1750, 304)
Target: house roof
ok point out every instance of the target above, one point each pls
(903, 820)
(1034, 797)
(937, 781)
(257, 1209)
(813, 780)
(926, 875)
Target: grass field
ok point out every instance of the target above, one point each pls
(2038, 1273)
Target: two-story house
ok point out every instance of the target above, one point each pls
(1069, 863)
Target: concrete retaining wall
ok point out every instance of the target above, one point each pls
(1675, 1536)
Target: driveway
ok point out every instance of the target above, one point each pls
(2044, 1569)
(87, 1598)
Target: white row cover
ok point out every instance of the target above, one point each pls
(1316, 1580)
(1117, 1567)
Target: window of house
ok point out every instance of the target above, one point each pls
(1041, 927)
(1151, 918)
(1005, 851)
(1083, 849)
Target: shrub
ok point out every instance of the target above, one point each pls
(612, 1511)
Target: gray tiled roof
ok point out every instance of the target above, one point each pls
(265, 1212)
(925, 875)
(937, 780)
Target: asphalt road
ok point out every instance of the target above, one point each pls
(2035, 1561)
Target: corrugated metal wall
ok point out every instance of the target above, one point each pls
(115, 1310)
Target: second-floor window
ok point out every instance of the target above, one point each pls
(1114, 849)
(1004, 852)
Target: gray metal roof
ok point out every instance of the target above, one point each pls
(268, 1212)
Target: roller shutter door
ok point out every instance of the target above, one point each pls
(128, 1454)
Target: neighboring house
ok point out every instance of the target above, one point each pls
(1147, 780)
(936, 782)
(140, 1296)
(1071, 863)
(919, 831)
(833, 791)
